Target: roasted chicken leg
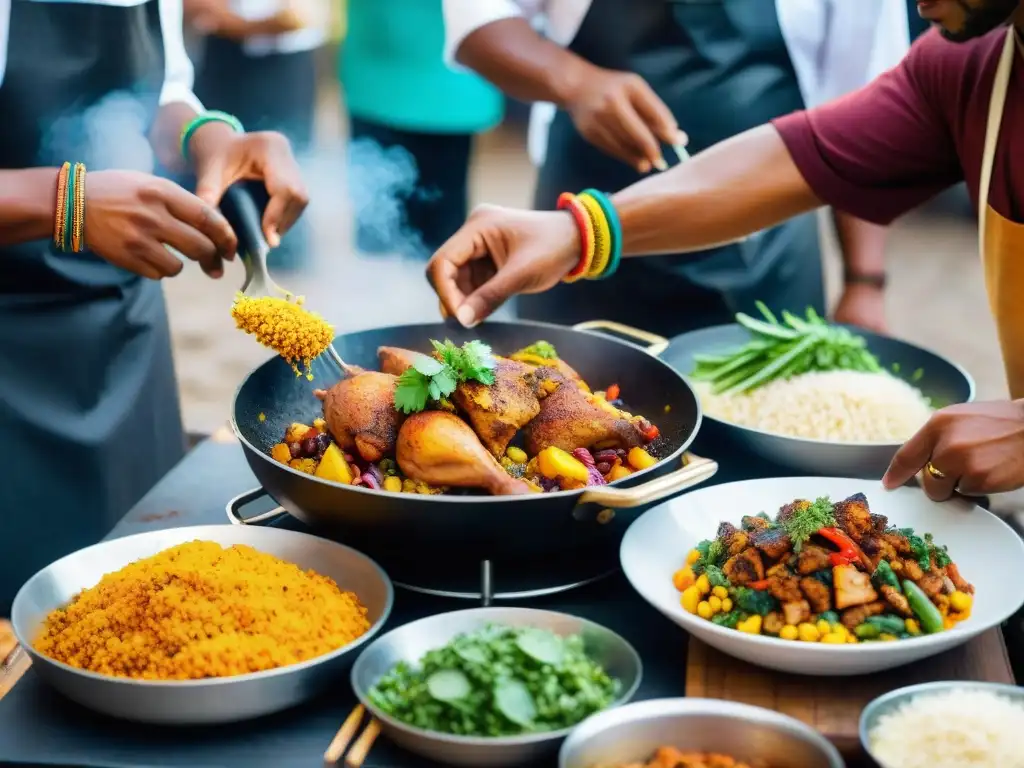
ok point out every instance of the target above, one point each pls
(570, 418)
(440, 449)
(396, 360)
(361, 415)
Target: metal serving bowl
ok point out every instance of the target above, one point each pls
(410, 642)
(632, 733)
(213, 700)
(890, 702)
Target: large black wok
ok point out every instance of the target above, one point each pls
(396, 527)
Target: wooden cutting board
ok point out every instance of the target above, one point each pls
(832, 705)
(9, 675)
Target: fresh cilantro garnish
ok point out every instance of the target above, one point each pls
(542, 349)
(806, 522)
(432, 379)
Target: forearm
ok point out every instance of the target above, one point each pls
(862, 245)
(27, 200)
(733, 189)
(522, 63)
(165, 137)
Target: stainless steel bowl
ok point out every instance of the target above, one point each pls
(632, 733)
(410, 642)
(889, 702)
(940, 379)
(214, 700)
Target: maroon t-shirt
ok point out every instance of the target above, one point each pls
(919, 128)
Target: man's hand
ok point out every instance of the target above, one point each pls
(973, 448)
(864, 306)
(214, 17)
(130, 217)
(222, 157)
(621, 115)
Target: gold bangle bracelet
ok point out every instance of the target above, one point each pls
(78, 220)
(58, 213)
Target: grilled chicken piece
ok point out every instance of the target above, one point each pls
(852, 587)
(440, 449)
(912, 570)
(879, 523)
(932, 584)
(774, 542)
(853, 516)
(744, 568)
(784, 586)
(896, 601)
(812, 558)
(958, 581)
(818, 595)
(773, 623)
(570, 418)
(786, 511)
(752, 523)
(360, 414)
(498, 411)
(852, 618)
(796, 612)
(734, 539)
(397, 360)
(877, 549)
(899, 542)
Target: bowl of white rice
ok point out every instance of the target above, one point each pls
(837, 422)
(950, 724)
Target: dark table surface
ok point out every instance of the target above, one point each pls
(39, 727)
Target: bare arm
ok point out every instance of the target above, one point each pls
(521, 62)
(736, 188)
(862, 244)
(27, 198)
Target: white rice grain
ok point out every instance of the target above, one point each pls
(954, 729)
(838, 406)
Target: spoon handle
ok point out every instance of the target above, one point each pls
(244, 216)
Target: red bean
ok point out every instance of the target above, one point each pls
(295, 449)
(309, 447)
(604, 468)
(584, 455)
(607, 455)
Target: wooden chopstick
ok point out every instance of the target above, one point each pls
(360, 749)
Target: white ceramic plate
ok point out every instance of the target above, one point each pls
(988, 552)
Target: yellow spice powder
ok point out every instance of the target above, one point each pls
(201, 610)
(283, 325)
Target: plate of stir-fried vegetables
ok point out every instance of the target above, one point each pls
(825, 575)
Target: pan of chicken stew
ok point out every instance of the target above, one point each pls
(507, 440)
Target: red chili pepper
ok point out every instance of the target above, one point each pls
(651, 433)
(612, 393)
(762, 584)
(849, 552)
(842, 558)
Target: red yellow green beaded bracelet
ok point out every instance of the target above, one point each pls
(568, 202)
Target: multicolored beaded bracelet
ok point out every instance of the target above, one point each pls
(602, 236)
(197, 122)
(611, 217)
(568, 202)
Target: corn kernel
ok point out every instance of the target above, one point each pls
(703, 584)
(831, 638)
(751, 626)
(720, 592)
(726, 605)
(789, 632)
(704, 610)
(715, 602)
(912, 627)
(683, 578)
(885, 636)
(689, 599)
(693, 556)
(852, 639)
(839, 629)
(823, 627)
(518, 455)
(392, 484)
(960, 601)
(808, 633)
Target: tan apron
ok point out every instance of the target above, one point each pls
(1001, 241)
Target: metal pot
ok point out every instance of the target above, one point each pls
(434, 529)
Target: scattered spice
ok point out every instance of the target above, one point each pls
(283, 325)
(200, 610)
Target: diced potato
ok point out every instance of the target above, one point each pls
(392, 484)
(281, 453)
(296, 432)
(640, 459)
(553, 463)
(333, 466)
(518, 455)
(303, 465)
(320, 424)
(618, 472)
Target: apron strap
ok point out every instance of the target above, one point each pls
(996, 106)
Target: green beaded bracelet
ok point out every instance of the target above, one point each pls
(197, 122)
(613, 222)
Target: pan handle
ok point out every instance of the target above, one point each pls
(651, 342)
(695, 470)
(235, 506)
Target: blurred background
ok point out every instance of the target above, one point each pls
(306, 84)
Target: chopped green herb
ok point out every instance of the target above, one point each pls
(541, 349)
(432, 379)
(806, 522)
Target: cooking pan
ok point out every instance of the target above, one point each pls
(439, 527)
(939, 379)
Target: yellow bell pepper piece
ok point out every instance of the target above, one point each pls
(751, 626)
(640, 459)
(281, 452)
(618, 472)
(333, 466)
(960, 601)
(553, 463)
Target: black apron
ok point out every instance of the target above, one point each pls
(722, 67)
(89, 415)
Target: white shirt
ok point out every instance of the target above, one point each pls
(307, 39)
(836, 46)
(178, 72)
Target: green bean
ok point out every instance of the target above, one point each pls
(922, 606)
(765, 329)
(763, 309)
(768, 371)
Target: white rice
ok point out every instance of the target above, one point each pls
(955, 729)
(838, 406)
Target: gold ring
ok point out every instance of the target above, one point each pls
(938, 474)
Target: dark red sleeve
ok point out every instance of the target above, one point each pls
(883, 150)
